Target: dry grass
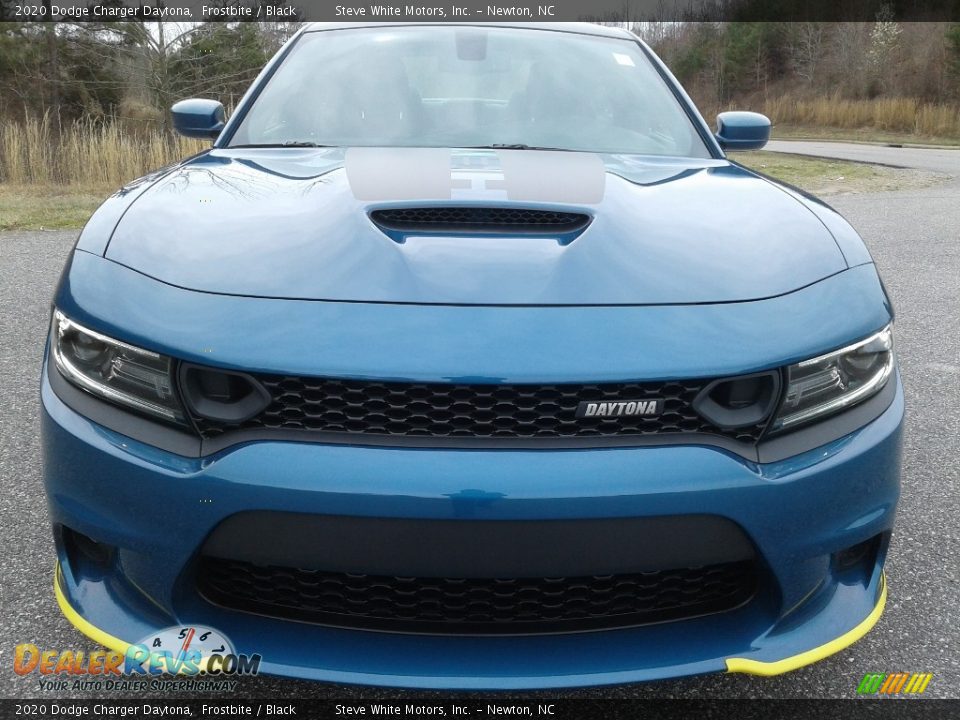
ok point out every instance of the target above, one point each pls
(825, 177)
(901, 115)
(55, 180)
(89, 153)
(85, 153)
(49, 207)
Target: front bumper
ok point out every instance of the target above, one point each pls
(157, 509)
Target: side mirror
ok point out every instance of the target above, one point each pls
(742, 130)
(198, 118)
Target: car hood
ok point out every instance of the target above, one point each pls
(295, 223)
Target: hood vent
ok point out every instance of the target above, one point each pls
(401, 222)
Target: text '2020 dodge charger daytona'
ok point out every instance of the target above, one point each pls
(465, 359)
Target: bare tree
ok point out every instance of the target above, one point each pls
(760, 63)
(162, 61)
(848, 55)
(806, 50)
(53, 69)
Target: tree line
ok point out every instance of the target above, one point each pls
(131, 71)
(720, 63)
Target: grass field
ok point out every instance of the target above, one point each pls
(48, 207)
(825, 177)
(53, 207)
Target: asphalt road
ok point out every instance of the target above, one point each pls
(914, 237)
(935, 159)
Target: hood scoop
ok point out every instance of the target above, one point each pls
(401, 223)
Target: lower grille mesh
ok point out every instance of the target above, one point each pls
(472, 605)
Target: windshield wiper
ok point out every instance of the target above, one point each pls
(493, 146)
(514, 146)
(288, 143)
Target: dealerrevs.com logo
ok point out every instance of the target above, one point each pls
(185, 652)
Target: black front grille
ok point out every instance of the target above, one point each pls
(472, 605)
(479, 219)
(360, 408)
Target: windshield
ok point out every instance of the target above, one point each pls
(469, 87)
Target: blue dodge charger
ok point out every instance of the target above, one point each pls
(466, 359)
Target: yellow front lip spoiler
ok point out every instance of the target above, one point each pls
(89, 629)
(768, 669)
(734, 665)
(75, 619)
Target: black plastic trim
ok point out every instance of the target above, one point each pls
(122, 421)
(222, 442)
(478, 221)
(747, 593)
(478, 548)
(255, 403)
(833, 428)
(175, 441)
(727, 419)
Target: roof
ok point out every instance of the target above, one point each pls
(581, 28)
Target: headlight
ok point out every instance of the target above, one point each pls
(115, 371)
(835, 381)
